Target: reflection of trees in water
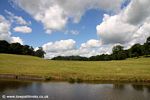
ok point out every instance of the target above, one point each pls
(138, 87)
(147, 87)
(6, 85)
(141, 87)
(118, 86)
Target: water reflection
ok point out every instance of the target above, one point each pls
(118, 86)
(138, 87)
(83, 91)
(8, 85)
(148, 87)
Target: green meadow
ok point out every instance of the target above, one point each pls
(124, 70)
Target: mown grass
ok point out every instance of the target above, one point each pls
(125, 70)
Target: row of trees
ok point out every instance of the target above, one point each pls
(118, 53)
(17, 48)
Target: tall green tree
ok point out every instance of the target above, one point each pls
(136, 50)
(147, 47)
(4, 46)
(27, 50)
(40, 52)
(118, 53)
(16, 48)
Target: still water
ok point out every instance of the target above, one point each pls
(82, 91)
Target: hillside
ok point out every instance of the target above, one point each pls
(125, 70)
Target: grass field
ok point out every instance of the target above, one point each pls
(125, 70)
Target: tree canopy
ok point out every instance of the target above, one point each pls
(17, 48)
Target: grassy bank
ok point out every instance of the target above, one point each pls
(130, 70)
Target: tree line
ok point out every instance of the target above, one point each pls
(118, 53)
(17, 48)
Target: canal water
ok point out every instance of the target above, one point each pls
(68, 91)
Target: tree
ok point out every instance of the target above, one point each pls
(16, 48)
(147, 47)
(40, 52)
(27, 50)
(118, 53)
(117, 48)
(136, 50)
(4, 46)
(148, 40)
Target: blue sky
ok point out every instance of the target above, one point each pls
(75, 27)
(86, 27)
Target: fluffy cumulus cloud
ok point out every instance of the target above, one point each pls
(68, 48)
(22, 29)
(129, 26)
(91, 44)
(114, 30)
(54, 14)
(5, 33)
(137, 12)
(57, 48)
(125, 26)
(17, 19)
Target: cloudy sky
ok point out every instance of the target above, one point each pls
(75, 27)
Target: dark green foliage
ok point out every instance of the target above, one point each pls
(146, 47)
(137, 50)
(17, 48)
(118, 53)
(4, 46)
(78, 80)
(75, 58)
(148, 40)
(40, 52)
(103, 57)
(48, 78)
(117, 49)
(71, 80)
(27, 50)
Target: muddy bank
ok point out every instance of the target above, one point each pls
(22, 77)
(70, 80)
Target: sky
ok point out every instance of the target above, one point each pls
(75, 27)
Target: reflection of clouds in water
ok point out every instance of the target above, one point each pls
(83, 91)
(12, 85)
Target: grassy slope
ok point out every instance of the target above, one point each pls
(131, 69)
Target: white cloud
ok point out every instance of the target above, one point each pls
(137, 11)
(54, 14)
(53, 49)
(48, 31)
(22, 29)
(126, 26)
(16, 39)
(61, 45)
(73, 32)
(5, 33)
(129, 26)
(68, 48)
(17, 19)
(114, 30)
(91, 44)
(53, 18)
